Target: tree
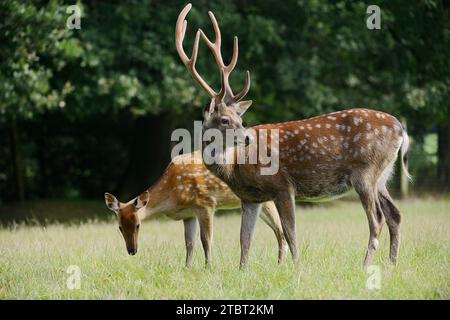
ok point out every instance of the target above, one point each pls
(117, 85)
(34, 46)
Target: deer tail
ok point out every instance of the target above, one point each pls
(404, 153)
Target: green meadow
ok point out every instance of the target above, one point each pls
(332, 238)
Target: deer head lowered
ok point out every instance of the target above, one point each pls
(320, 158)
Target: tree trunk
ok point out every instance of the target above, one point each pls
(16, 157)
(444, 156)
(40, 136)
(149, 155)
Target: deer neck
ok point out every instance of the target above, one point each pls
(159, 199)
(224, 167)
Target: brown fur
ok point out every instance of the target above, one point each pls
(321, 157)
(189, 192)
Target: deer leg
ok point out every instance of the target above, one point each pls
(367, 194)
(206, 233)
(190, 233)
(393, 219)
(285, 204)
(380, 216)
(250, 212)
(272, 219)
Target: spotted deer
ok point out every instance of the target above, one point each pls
(319, 158)
(186, 191)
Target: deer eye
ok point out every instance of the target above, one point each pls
(225, 121)
(137, 227)
(120, 228)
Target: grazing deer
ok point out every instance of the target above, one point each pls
(319, 158)
(186, 191)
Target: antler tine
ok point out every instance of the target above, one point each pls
(224, 75)
(245, 90)
(218, 40)
(225, 91)
(234, 58)
(184, 29)
(180, 32)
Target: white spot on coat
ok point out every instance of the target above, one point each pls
(357, 120)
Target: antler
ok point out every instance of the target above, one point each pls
(225, 94)
(180, 32)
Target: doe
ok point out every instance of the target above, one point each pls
(186, 191)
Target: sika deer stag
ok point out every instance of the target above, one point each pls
(320, 158)
(187, 191)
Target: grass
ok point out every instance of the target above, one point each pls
(332, 240)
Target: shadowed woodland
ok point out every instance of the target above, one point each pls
(92, 110)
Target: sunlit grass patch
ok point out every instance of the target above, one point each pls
(332, 242)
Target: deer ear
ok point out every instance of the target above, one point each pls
(242, 106)
(209, 109)
(142, 200)
(111, 202)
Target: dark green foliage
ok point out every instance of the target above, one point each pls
(76, 94)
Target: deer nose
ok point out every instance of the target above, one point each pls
(132, 252)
